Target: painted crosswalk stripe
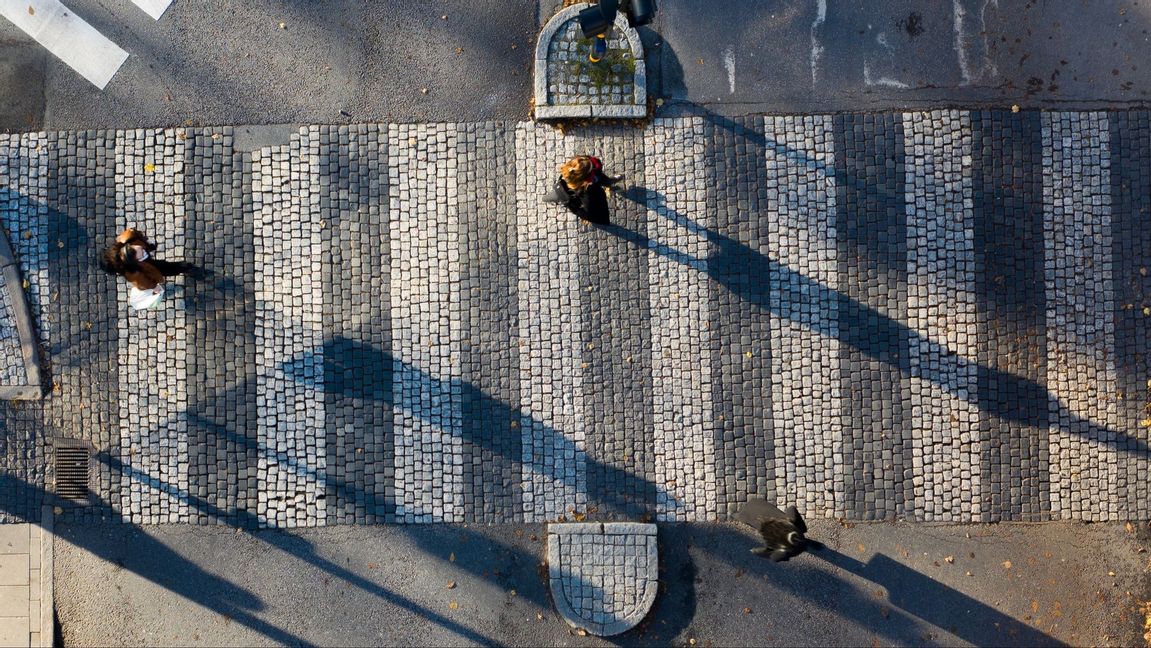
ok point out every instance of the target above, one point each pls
(154, 8)
(68, 37)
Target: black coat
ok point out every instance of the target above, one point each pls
(589, 203)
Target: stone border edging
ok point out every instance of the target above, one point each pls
(556, 573)
(29, 345)
(545, 110)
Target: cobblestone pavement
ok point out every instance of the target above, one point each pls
(933, 316)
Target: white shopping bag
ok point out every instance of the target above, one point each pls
(144, 299)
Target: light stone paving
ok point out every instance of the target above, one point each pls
(680, 340)
(1081, 372)
(805, 351)
(425, 316)
(553, 417)
(942, 311)
(289, 303)
(153, 417)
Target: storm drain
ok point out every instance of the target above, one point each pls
(73, 461)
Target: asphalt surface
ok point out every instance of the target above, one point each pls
(356, 61)
(1008, 584)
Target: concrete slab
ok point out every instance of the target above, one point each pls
(14, 599)
(14, 631)
(14, 538)
(14, 569)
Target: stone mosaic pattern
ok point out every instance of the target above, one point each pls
(1081, 373)
(425, 313)
(681, 348)
(554, 416)
(292, 465)
(944, 314)
(603, 577)
(806, 395)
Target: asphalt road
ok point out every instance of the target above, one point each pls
(220, 62)
(873, 584)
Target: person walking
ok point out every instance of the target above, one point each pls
(132, 256)
(582, 188)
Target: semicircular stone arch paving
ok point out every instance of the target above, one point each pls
(19, 369)
(569, 86)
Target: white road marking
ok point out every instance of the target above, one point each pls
(816, 47)
(67, 37)
(729, 63)
(154, 8)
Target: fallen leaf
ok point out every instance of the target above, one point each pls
(862, 549)
(453, 604)
(149, 167)
(373, 565)
(424, 90)
(459, 50)
(539, 617)
(444, 17)
(950, 560)
(1111, 573)
(1014, 108)
(701, 61)
(31, 11)
(451, 584)
(1130, 529)
(581, 632)
(747, 610)
(1034, 606)
(1007, 564)
(452, 557)
(512, 592)
(283, 25)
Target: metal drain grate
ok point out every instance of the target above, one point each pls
(73, 461)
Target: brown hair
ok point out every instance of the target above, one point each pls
(577, 172)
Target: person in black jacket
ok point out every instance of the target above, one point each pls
(581, 188)
(782, 531)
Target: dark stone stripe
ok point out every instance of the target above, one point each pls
(616, 341)
(871, 241)
(740, 315)
(85, 307)
(222, 443)
(357, 328)
(489, 306)
(1011, 307)
(1131, 268)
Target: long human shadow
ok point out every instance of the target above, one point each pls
(551, 438)
(155, 562)
(911, 594)
(878, 340)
